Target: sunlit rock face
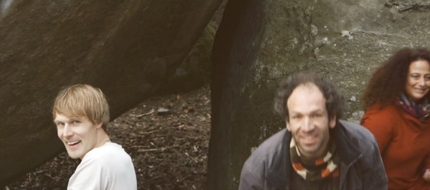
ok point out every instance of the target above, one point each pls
(127, 48)
(260, 42)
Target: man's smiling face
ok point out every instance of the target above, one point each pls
(79, 135)
(308, 120)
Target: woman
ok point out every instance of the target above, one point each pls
(397, 113)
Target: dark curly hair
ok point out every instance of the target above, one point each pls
(389, 80)
(335, 103)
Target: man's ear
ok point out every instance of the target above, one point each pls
(99, 125)
(332, 122)
(287, 124)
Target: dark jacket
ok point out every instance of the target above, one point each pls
(361, 167)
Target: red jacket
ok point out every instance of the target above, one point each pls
(404, 142)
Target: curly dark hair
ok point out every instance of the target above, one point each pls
(389, 80)
(335, 103)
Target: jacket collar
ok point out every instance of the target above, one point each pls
(346, 143)
(279, 176)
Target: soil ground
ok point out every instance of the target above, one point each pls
(167, 138)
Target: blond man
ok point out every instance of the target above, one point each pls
(81, 114)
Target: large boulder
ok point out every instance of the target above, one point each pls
(127, 48)
(195, 70)
(261, 41)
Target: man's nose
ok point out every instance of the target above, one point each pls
(66, 131)
(307, 124)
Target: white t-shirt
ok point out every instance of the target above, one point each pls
(107, 167)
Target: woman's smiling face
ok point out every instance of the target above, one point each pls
(418, 80)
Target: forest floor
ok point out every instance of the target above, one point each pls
(167, 138)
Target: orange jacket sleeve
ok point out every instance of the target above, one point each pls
(381, 125)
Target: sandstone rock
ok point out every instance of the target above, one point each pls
(127, 48)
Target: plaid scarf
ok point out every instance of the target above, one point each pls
(312, 170)
(420, 111)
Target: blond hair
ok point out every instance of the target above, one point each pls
(82, 100)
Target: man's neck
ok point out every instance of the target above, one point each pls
(102, 138)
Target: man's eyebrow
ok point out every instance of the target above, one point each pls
(63, 121)
(294, 112)
(314, 111)
(318, 111)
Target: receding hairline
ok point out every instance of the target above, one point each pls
(307, 87)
